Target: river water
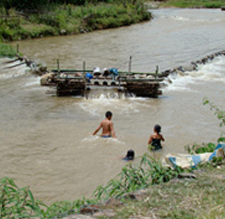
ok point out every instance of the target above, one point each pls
(46, 141)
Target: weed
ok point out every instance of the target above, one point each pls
(148, 172)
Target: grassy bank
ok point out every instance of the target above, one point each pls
(193, 3)
(200, 198)
(164, 196)
(70, 19)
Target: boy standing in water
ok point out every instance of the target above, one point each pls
(107, 126)
(156, 138)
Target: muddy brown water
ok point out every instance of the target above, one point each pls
(46, 141)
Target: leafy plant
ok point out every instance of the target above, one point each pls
(199, 149)
(219, 113)
(209, 147)
(131, 178)
(18, 202)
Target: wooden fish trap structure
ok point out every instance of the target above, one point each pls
(75, 82)
(67, 83)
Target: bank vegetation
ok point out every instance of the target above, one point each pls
(34, 19)
(192, 3)
(147, 189)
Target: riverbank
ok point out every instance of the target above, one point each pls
(70, 19)
(178, 193)
(191, 4)
(198, 195)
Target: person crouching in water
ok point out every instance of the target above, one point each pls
(155, 139)
(107, 126)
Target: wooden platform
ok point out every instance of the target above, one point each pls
(73, 82)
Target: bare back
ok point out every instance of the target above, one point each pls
(107, 127)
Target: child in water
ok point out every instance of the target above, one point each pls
(107, 126)
(130, 155)
(155, 139)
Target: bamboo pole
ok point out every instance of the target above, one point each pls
(129, 70)
(156, 71)
(85, 84)
(58, 67)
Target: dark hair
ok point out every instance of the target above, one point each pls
(157, 128)
(130, 155)
(108, 114)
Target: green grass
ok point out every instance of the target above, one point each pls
(7, 51)
(201, 198)
(69, 19)
(193, 3)
(165, 196)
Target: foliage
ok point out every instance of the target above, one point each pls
(131, 178)
(219, 113)
(18, 202)
(64, 208)
(193, 4)
(67, 19)
(34, 5)
(199, 149)
(209, 147)
(7, 51)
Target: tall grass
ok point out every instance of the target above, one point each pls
(19, 202)
(7, 50)
(148, 172)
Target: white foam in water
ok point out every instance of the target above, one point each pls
(98, 107)
(180, 18)
(212, 71)
(94, 138)
(35, 81)
(179, 83)
(7, 72)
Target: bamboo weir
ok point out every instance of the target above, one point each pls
(72, 82)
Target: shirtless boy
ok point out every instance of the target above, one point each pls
(107, 126)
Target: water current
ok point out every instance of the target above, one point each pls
(46, 141)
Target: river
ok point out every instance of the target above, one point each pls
(46, 141)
